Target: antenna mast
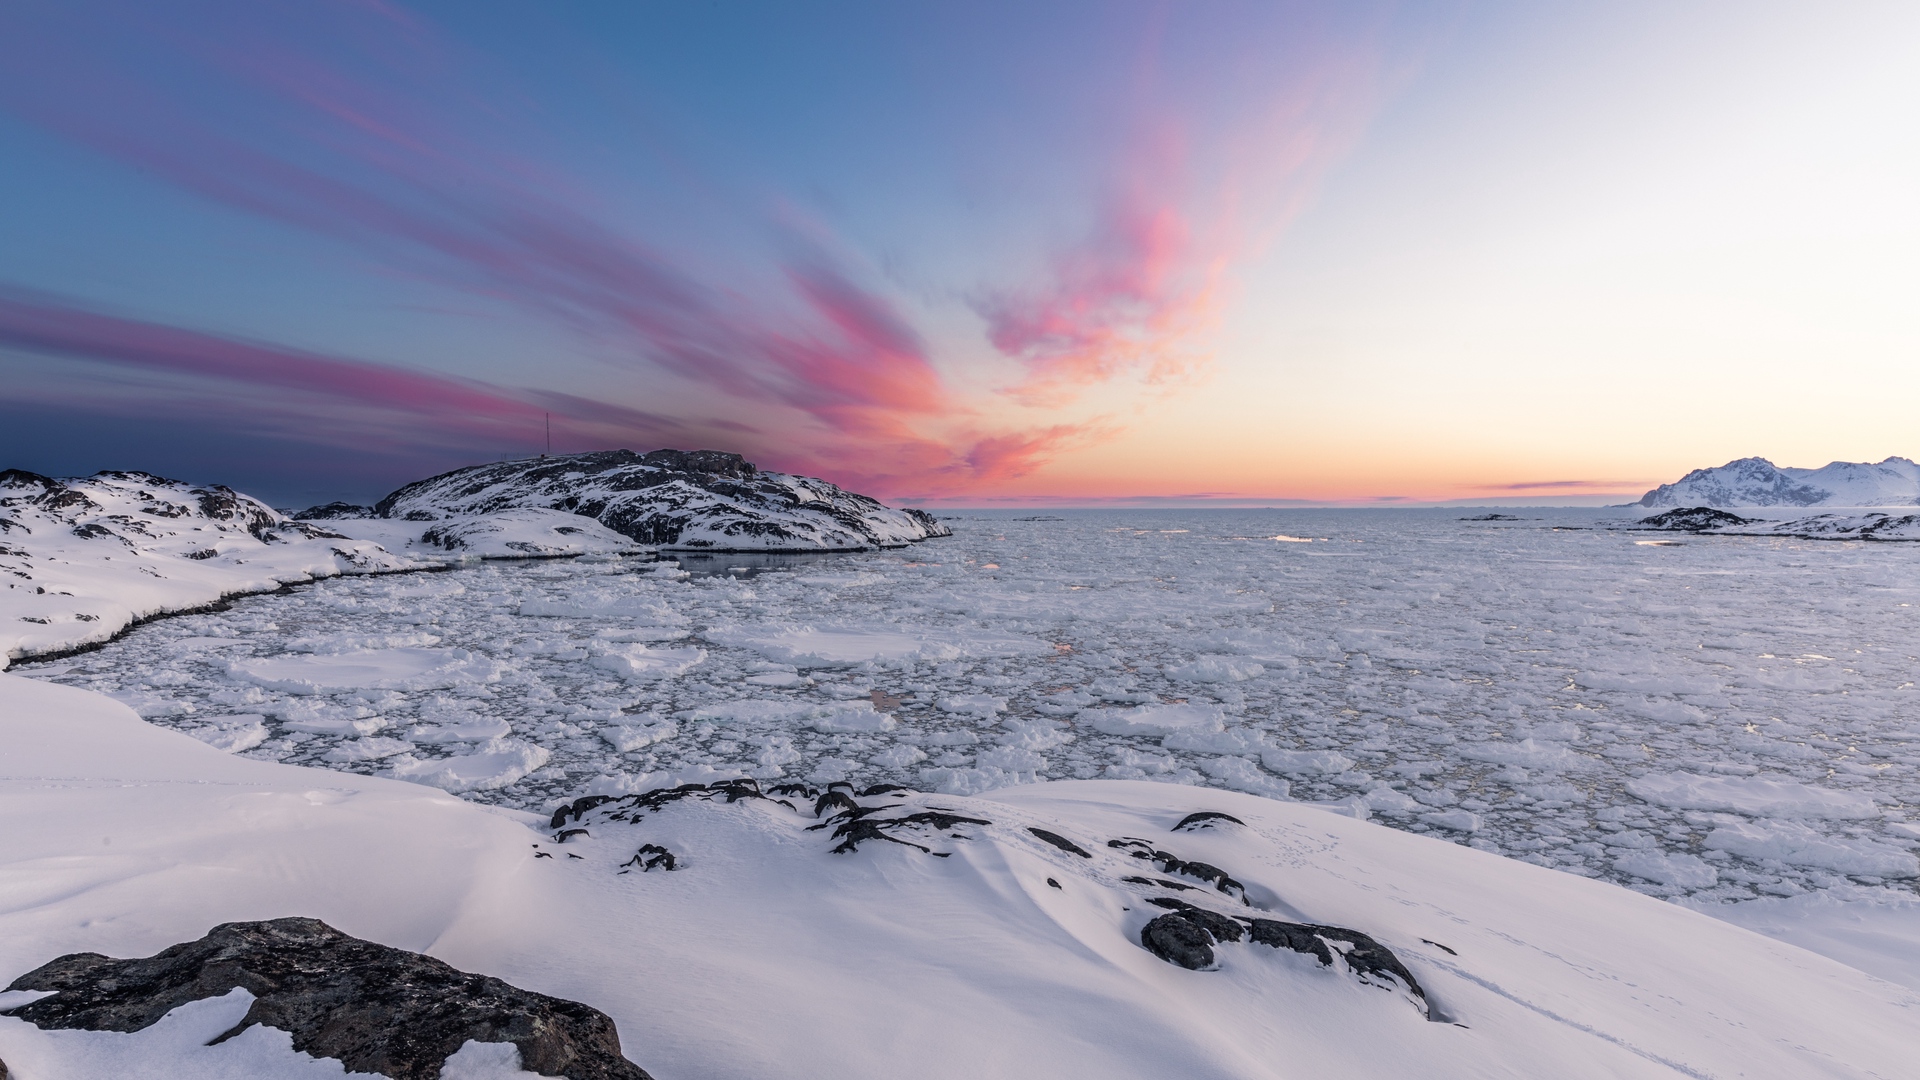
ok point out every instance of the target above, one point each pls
(549, 452)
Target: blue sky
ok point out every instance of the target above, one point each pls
(971, 253)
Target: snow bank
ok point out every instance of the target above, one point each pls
(528, 533)
(763, 953)
(84, 559)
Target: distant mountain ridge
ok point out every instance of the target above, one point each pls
(1755, 481)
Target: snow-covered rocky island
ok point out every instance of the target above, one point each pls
(703, 500)
(1247, 794)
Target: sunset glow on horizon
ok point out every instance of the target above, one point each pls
(983, 255)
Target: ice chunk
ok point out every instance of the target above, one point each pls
(1244, 775)
(1306, 762)
(1796, 845)
(494, 765)
(972, 704)
(1526, 753)
(1751, 795)
(1215, 669)
(641, 662)
(1457, 820)
(813, 647)
(820, 715)
(240, 731)
(1682, 871)
(412, 668)
(367, 749)
(625, 737)
(1157, 719)
(472, 729)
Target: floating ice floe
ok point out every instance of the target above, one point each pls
(369, 669)
(1751, 795)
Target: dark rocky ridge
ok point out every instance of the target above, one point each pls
(692, 500)
(373, 1008)
(1693, 519)
(332, 511)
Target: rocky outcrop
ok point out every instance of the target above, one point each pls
(373, 1008)
(1186, 935)
(1869, 526)
(702, 500)
(1693, 519)
(332, 511)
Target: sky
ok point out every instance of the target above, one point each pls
(963, 254)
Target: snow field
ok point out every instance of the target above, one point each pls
(995, 952)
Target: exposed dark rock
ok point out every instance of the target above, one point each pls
(1173, 864)
(835, 800)
(1204, 819)
(1220, 926)
(373, 1008)
(1491, 517)
(1062, 843)
(1178, 940)
(652, 857)
(1693, 519)
(1186, 936)
(331, 511)
(1163, 883)
(1369, 960)
(852, 834)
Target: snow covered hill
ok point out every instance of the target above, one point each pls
(733, 933)
(83, 559)
(681, 500)
(1756, 481)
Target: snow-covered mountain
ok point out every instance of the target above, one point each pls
(701, 500)
(1756, 481)
(82, 559)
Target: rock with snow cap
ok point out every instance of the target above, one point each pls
(374, 1008)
